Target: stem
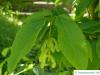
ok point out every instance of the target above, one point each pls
(26, 69)
(93, 14)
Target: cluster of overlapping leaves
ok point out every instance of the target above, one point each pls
(62, 41)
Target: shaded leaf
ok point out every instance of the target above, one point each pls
(98, 47)
(90, 26)
(81, 7)
(95, 64)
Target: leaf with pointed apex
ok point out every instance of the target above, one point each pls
(72, 42)
(26, 38)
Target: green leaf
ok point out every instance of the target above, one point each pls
(7, 32)
(90, 26)
(1, 66)
(81, 7)
(98, 47)
(5, 51)
(72, 42)
(95, 64)
(26, 38)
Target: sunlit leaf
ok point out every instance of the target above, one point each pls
(26, 38)
(5, 51)
(72, 42)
